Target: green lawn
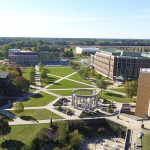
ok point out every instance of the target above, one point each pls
(39, 99)
(67, 84)
(60, 71)
(26, 73)
(62, 92)
(50, 79)
(121, 90)
(115, 97)
(77, 77)
(146, 142)
(23, 134)
(37, 114)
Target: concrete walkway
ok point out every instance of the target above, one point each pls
(37, 76)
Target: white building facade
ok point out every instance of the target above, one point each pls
(87, 50)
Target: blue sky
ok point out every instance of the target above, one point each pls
(75, 18)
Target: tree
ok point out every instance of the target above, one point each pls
(130, 88)
(4, 128)
(51, 123)
(32, 74)
(22, 83)
(102, 84)
(75, 139)
(99, 76)
(13, 74)
(43, 74)
(62, 132)
(18, 107)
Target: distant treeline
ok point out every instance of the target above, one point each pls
(31, 42)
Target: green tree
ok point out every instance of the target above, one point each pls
(4, 128)
(18, 107)
(99, 76)
(102, 84)
(130, 88)
(32, 74)
(62, 132)
(43, 74)
(51, 123)
(23, 84)
(75, 139)
(13, 74)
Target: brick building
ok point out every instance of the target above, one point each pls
(143, 94)
(119, 65)
(24, 58)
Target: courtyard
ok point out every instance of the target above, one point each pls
(60, 83)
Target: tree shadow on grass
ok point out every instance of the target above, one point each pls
(37, 95)
(57, 84)
(50, 80)
(12, 145)
(28, 118)
(115, 95)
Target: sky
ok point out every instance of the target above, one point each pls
(75, 18)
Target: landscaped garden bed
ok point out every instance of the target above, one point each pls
(88, 114)
(62, 102)
(65, 110)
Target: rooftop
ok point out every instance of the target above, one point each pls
(25, 53)
(146, 70)
(3, 75)
(120, 53)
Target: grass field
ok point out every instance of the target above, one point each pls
(62, 92)
(50, 79)
(23, 135)
(37, 114)
(26, 73)
(146, 142)
(115, 97)
(60, 71)
(77, 77)
(121, 90)
(67, 84)
(40, 99)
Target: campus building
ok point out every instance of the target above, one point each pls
(27, 58)
(24, 58)
(143, 94)
(86, 50)
(119, 65)
(4, 81)
(47, 57)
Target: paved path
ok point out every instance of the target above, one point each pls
(37, 76)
